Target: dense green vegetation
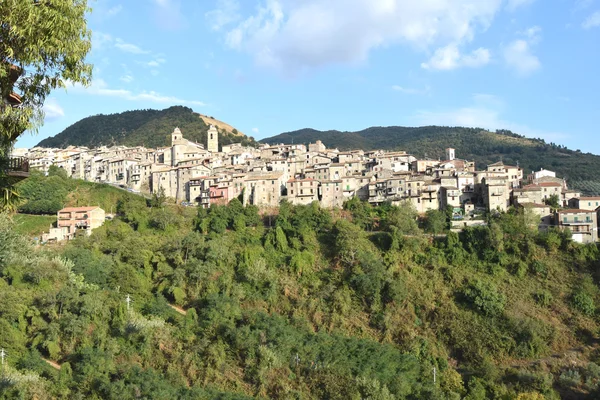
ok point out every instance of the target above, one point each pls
(360, 303)
(150, 128)
(484, 147)
(45, 195)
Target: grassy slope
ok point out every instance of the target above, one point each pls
(33, 225)
(94, 194)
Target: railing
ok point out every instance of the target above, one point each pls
(18, 164)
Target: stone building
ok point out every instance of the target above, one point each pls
(212, 140)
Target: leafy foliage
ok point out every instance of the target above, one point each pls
(150, 128)
(306, 303)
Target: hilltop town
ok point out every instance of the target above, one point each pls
(194, 174)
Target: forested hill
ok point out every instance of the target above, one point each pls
(150, 128)
(167, 302)
(484, 147)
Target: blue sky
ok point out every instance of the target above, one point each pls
(271, 66)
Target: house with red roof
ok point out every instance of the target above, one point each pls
(80, 219)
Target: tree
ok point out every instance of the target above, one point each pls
(404, 218)
(553, 201)
(57, 171)
(159, 199)
(434, 222)
(43, 45)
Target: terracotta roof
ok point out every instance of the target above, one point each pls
(76, 209)
(543, 184)
(300, 180)
(549, 184)
(576, 211)
(534, 205)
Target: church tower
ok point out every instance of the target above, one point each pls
(212, 139)
(176, 136)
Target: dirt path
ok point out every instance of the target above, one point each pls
(573, 356)
(52, 364)
(178, 309)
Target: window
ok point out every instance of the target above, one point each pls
(588, 219)
(576, 219)
(565, 220)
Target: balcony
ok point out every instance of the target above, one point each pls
(18, 168)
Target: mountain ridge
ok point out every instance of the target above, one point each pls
(147, 127)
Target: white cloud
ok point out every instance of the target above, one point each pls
(168, 14)
(100, 88)
(156, 62)
(126, 78)
(533, 34)
(114, 10)
(485, 112)
(100, 39)
(514, 4)
(311, 33)
(255, 130)
(52, 110)
(592, 21)
(226, 13)
(128, 47)
(518, 56)
(449, 57)
(406, 90)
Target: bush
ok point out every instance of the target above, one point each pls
(583, 302)
(484, 297)
(543, 298)
(569, 378)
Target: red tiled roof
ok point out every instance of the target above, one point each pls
(534, 205)
(575, 211)
(300, 180)
(549, 184)
(76, 209)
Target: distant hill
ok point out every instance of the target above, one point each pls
(150, 128)
(582, 170)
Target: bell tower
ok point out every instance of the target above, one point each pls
(212, 139)
(176, 136)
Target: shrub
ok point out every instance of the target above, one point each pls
(583, 302)
(543, 298)
(484, 297)
(539, 268)
(569, 378)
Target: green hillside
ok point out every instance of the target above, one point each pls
(305, 304)
(45, 195)
(484, 147)
(150, 128)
